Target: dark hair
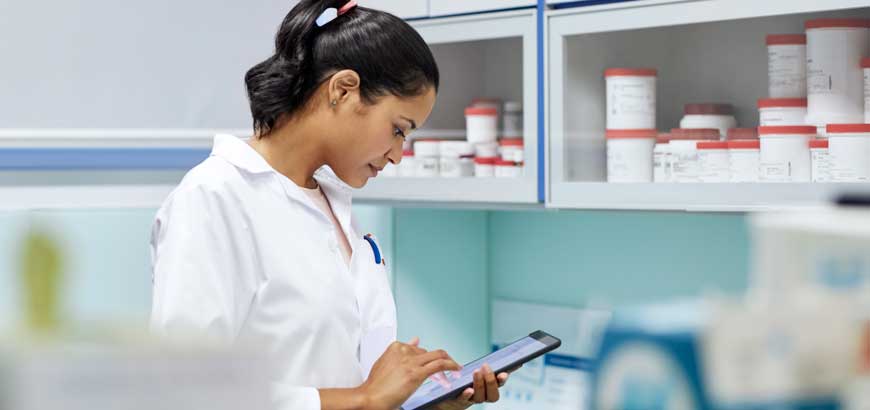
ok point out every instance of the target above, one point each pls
(387, 53)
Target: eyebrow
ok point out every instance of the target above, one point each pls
(413, 124)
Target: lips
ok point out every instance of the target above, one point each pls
(375, 170)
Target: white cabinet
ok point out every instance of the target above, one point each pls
(402, 8)
(485, 55)
(705, 51)
(449, 7)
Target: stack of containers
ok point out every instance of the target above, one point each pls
(482, 126)
(684, 164)
(630, 124)
(511, 146)
(456, 159)
(482, 131)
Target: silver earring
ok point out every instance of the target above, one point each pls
(333, 103)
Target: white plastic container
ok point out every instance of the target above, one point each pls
(427, 154)
(743, 159)
(408, 166)
(481, 124)
(865, 66)
(511, 149)
(742, 134)
(662, 158)
(834, 77)
(787, 65)
(713, 161)
(785, 153)
(850, 152)
(507, 169)
(630, 155)
(820, 159)
(456, 159)
(486, 150)
(719, 116)
(631, 98)
(782, 111)
(484, 167)
(684, 152)
(512, 119)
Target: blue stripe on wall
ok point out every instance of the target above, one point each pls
(50, 159)
(541, 112)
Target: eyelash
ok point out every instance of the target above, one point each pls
(399, 133)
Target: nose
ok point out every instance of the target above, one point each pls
(394, 155)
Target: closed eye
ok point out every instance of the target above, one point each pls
(399, 133)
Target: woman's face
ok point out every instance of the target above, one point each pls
(371, 135)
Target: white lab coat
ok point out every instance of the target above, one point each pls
(241, 253)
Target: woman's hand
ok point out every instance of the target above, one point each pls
(400, 371)
(484, 389)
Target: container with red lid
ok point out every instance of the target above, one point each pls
(820, 158)
(787, 65)
(484, 167)
(511, 149)
(785, 153)
(408, 167)
(709, 115)
(507, 169)
(742, 134)
(849, 148)
(481, 124)
(630, 155)
(713, 161)
(743, 157)
(835, 79)
(683, 148)
(782, 111)
(631, 98)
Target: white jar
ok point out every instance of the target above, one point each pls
(849, 147)
(631, 98)
(820, 159)
(427, 154)
(743, 159)
(782, 111)
(662, 158)
(742, 134)
(684, 152)
(456, 159)
(487, 150)
(507, 169)
(834, 77)
(481, 124)
(785, 153)
(787, 65)
(484, 167)
(512, 149)
(865, 65)
(408, 166)
(713, 161)
(512, 119)
(630, 155)
(719, 116)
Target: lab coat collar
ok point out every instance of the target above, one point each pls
(240, 154)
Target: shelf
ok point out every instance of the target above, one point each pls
(489, 55)
(705, 51)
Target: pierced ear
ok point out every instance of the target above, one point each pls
(342, 85)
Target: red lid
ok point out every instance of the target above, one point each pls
(712, 145)
(848, 128)
(782, 102)
(695, 134)
(708, 109)
(744, 144)
(742, 134)
(502, 163)
(625, 134)
(511, 142)
(788, 129)
(786, 39)
(865, 62)
(630, 72)
(837, 23)
(481, 111)
(664, 138)
(819, 143)
(408, 153)
(485, 160)
(485, 100)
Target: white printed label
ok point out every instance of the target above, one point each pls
(775, 171)
(787, 71)
(822, 165)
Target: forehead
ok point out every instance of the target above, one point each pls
(415, 107)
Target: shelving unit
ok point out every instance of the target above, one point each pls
(705, 51)
(487, 55)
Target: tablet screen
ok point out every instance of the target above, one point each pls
(499, 359)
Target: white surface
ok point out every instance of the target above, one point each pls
(448, 7)
(667, 34)
(630, 159)
(850, 156)
(631, 102)
(834, 77)
(787, 70)
(402, 8)
(785, 158)
(776, 116)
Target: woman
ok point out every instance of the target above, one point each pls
(257, 244)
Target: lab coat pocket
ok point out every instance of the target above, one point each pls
(376, 304)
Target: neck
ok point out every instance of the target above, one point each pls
(293, 149)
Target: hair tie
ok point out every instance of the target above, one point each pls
(332, 13)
